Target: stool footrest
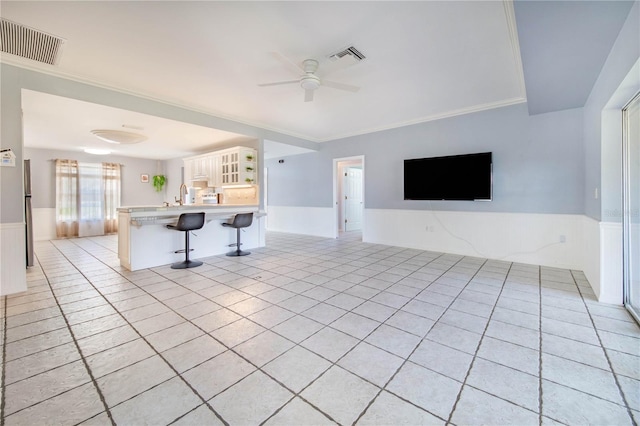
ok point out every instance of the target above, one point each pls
(182, 251)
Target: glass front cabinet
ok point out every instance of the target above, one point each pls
(233, 166)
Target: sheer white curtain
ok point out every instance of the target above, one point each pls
(67, 197)
(91, 221)
(111, 184)
(87, 198)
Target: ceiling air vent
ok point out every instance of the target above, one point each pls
(26, 42)
(349, 51)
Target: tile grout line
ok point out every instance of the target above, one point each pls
(475, 355)
(4, 362)
(75, 341)
(144, 339)
(613, 373)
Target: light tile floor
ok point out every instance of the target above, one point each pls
(312, 331)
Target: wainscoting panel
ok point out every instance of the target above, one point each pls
(540, 239)
(591, 252)
(317, 221)
(611, 286)
(44, 224)
(13, 272)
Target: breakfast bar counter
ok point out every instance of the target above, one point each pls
(144, 241)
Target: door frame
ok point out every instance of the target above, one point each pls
(336, 192)
(626, 218)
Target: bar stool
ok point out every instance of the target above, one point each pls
(187, 222)
(241, 220)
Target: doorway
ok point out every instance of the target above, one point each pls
(631, 215)
(349, 194)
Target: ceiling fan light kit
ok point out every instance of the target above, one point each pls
(119, 136)
(310, 82)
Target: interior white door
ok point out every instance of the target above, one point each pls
(353, 199)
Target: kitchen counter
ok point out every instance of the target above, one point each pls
(187, 208)
(144, 241)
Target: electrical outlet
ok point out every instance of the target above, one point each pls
(595, 193)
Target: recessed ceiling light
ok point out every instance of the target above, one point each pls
(119, 136)
(95, 151)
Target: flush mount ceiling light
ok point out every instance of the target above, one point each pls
(97, 151)
(119, 136)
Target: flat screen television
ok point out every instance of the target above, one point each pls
(455, 177)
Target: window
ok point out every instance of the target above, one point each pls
(87, 198)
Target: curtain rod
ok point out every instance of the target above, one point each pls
(66, 159)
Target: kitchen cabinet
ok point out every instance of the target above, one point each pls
(215, 177)
(232, 166)
(188, 171)
(238, 166)
(201, 168)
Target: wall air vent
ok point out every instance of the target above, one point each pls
(349, 51)
(26, 42)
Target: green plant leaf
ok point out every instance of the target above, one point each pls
(159, 181)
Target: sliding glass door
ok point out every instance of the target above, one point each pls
(631, 217)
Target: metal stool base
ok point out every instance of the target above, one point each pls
(186, 264)
(238, 253)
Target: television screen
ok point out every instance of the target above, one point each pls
(456, 177)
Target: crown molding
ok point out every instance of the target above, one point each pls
(49, 70)
(448, 114)
(510, 15)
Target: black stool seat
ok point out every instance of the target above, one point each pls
(187, 222)
(241, 220)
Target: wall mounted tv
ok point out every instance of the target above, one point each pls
(455, 177)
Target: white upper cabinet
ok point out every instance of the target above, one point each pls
(233, 166)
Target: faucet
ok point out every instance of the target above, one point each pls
(183, 193)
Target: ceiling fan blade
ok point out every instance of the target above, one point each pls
(340, 86)
(308, 95)
(288, 63)
(278, 83)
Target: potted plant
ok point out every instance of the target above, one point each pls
(248, 180)
(249, 157)
(249, 169)
(159, 181)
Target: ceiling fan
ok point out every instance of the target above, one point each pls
(308, 80)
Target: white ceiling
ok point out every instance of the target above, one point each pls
(425, 60)
(62, 123)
